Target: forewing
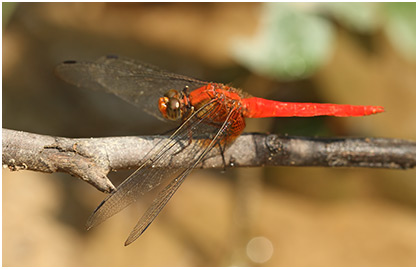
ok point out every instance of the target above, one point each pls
(135, 82)
(165, 195)
(185, 145)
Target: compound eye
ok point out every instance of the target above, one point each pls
(173, 109)
(173, 104)
(170, 105)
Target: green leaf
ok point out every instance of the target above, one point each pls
(290, 44)
(400, 27)
(360, 17)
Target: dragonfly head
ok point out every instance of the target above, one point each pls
(171, 105)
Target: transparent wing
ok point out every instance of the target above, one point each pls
(135, 82)
(145, 178)
(165, 195)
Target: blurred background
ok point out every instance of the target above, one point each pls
(348, 53)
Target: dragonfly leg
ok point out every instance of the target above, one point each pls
(222, 150)
(189, 142)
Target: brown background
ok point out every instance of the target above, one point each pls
(311, 216)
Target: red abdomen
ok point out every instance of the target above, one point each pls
(261, 108)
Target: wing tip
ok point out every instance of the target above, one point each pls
(91, 222)
(136, 233)
(94, 218)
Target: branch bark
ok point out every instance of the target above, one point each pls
(91, 159)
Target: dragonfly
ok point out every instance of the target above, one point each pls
(211, 114)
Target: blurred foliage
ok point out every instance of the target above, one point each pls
(400, 27)
(358, 17)
(294, 40)
(290, 43)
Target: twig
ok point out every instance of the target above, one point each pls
(91, 159)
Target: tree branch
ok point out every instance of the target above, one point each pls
(91, 159)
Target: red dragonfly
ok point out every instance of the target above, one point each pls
(214, 110)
